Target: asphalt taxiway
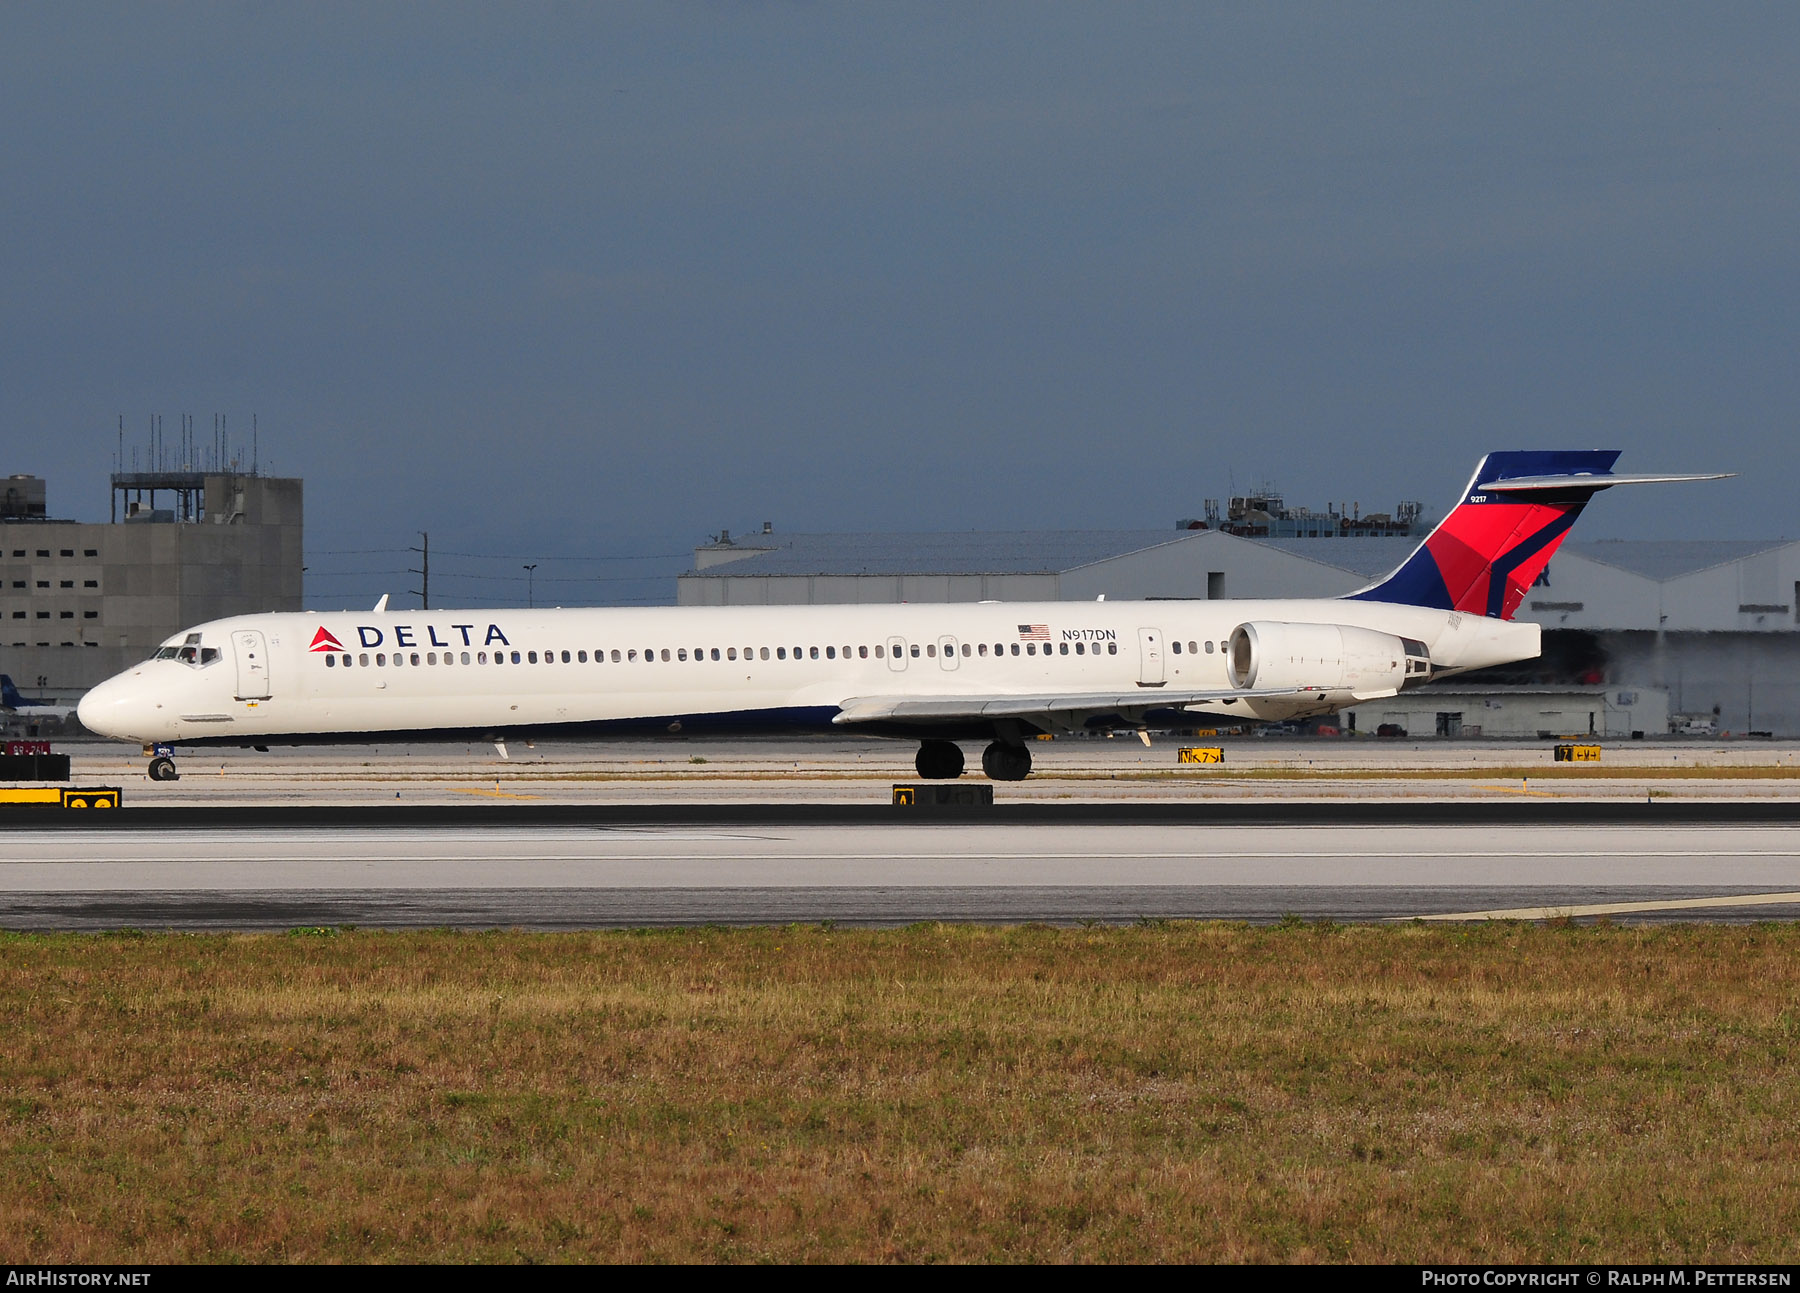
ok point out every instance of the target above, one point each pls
(633, 834)
(591, 876)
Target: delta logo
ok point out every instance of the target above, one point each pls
(323, 641)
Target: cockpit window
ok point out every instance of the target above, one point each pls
(190, 653)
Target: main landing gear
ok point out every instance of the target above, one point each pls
(943, 761)
(162, 768)
(1003, 762)
(939, 760)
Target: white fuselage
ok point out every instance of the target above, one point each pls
(363, 676)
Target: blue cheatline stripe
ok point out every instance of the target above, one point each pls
(1507, 562)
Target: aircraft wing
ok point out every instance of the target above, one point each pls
(1063, 705)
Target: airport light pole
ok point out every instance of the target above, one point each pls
(424, 570)
(529, 580)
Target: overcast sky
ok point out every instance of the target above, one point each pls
(596, 280)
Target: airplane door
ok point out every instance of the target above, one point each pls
(252, 664)
(1150, 658)
(897, 654)
(947, 652)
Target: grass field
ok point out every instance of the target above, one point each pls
(1208, 1092)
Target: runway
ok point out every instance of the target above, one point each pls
(551, 876)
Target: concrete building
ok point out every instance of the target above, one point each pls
(80, 601)
(1710, 626)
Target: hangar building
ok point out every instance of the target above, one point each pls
(1697, 634)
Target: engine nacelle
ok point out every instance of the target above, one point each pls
(1352, 663)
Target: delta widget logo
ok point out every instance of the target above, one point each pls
(323, 641)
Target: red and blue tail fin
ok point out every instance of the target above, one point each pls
(1484, 555)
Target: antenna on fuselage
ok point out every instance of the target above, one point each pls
(381, 605)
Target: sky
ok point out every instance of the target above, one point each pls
(580, 285)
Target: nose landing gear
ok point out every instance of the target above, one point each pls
(162, 766)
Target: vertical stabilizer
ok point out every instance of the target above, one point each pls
(1497, 540)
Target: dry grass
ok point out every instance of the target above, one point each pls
(1203, 1092)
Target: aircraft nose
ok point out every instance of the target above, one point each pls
(115, 708)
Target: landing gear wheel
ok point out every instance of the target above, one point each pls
(1003, 762)
(162, 768)
(939, 760)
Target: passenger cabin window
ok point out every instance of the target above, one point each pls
(330, 661)
(765, 653)
(878, 654)
(362, 658)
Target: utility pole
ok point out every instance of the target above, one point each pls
(424, 570)
(529, 578)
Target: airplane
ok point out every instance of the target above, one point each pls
(935, 673)
(13, 703)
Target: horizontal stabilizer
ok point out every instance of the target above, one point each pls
(1595, 480)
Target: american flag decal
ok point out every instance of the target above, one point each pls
(1034, 632)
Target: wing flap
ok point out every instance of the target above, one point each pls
(926, 709)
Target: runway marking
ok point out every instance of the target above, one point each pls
(492, 794)
(1626, 855)
(1615, 908)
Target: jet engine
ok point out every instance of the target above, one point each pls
(1357, 663)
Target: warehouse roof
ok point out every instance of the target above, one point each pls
(1667, 558)
(1025, 552)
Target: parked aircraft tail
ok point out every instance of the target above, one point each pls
(9, 694)
(1493, 545)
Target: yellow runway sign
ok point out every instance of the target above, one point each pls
(1201, 754)
(61, 796)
